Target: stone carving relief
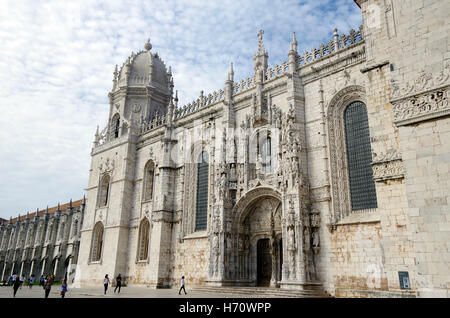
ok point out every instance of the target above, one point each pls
(422, 107)
(387, 165)
(423, 82)
(423, 98)
(106, 166)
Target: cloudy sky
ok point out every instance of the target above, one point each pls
(57, 60)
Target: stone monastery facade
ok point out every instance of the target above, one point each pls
(43, 242)
(327, 171)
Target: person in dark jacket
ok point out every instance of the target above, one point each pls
(118, 283)
(16, 286)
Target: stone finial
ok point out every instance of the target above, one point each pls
(176, 98)
(58, 207)
(70, 204)
(147, 45)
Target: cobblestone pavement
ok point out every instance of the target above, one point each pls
(126, 292)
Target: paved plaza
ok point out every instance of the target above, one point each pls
(126, 292)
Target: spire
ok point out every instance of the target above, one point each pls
(231, 72)
(176, 99)
(70, 204)
(58, 207)
(293, 55)
(115, 77)
(261, 50)
(148, 45)
(336, 39)
(46, 210)
(294, 43)
(260, 58)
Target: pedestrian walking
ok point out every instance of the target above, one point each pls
(22, 280)
(106, 283)
(42, 280)
(118, 283)
(13, 278)
(31, 281)
(63, 288)
(16, 286)
(48, 285)
(182, 286)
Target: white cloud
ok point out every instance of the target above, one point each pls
(57, 60)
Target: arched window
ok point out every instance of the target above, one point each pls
(266, 154)
(149, 175)
(103, 191)
(115, 126)
(202, 192)
(97, 242)
(144, 230)
(359, 157)
(75, 228)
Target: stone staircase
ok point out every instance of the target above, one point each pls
(263, 292)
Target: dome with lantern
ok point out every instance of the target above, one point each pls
(143, 69)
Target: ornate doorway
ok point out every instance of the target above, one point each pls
(263, 263)
(258, 224)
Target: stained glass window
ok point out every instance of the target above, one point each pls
(359, 158)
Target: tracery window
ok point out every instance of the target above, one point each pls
(202, 192)
(144, 230)
(97, 242)
(149, 176)
(103, 191)
(359, 158)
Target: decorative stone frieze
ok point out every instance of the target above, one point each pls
(424, 106)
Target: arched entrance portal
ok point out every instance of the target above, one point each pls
(258, 222)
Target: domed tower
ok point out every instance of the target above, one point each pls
(141, 89)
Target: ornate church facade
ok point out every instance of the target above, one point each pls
(328, 171)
